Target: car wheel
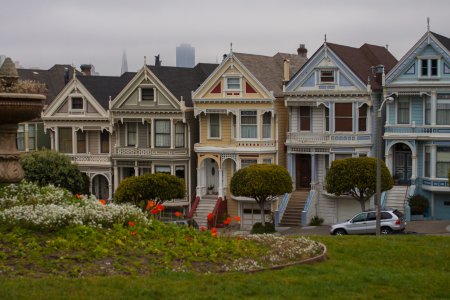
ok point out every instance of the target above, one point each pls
(385, 230)
(340, 232)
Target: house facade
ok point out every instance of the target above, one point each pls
(331, 103)
(242, 121)
(417, 129)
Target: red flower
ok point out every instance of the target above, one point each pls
(131, 223)
(213, 232)
(102, 201)
(202, 228)
(133, 232)
(177, 214)
(227, 221)
(150, 204)
(155, 211)
(160, 207)
(78, 196)
(237, 218)
(210, 216)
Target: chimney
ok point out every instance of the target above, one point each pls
(302, 51)
(86, 69)
(286, 70)
(157, 61)
(224, 57)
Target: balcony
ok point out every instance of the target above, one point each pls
(89, 159)
(349, 139)
(156, 152)
(422, 132)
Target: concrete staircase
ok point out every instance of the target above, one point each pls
(205, 206)
(293, 214)
(395, 197)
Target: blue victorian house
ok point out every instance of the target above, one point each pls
(417, 129)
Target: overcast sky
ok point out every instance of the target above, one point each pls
(47, 32)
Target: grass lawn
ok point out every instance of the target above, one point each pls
(366, 267)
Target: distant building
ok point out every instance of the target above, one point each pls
(124, 67)
(185, 56)
(2, 59)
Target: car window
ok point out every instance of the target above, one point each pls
(372, 216)
(398, 214)
(360, 218)
(385, 215)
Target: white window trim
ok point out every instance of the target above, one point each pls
(100, 143)
(226, 77)
(126, 135)
(258, 125)
(147, 86)
(299, 129)
(328, 82)
(220, 128)
(429, 58)
(410, 112)
(367, 118)
(82, 110)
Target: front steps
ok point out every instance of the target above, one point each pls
(205, 206)
(395, 197)
(293, 214)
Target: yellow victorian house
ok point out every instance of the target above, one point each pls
(242, 121)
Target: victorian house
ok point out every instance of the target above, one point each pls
(331, 103)
(242, 121)
(417, 129)
(115, 127)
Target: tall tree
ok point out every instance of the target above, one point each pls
(264, 183)
(357, 178)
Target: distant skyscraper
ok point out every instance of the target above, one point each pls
(185, 56)
(124, 68)
(2, 59)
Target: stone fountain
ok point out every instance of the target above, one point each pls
(16, 106)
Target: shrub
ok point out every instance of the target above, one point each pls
(259, 228)
(419, 204)
(316, 221)
(50, 167)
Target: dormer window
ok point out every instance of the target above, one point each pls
(147, 94)
(327, 76)
(233, 83)
(77, 103)
(429, 67)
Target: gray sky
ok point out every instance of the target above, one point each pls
(46, 32)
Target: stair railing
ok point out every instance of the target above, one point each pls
(312, 197)
(279, 212)
(220, 209)
(194, 207)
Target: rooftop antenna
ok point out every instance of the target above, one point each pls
(231, 47)
(428, 23)
(145, 60)
(325, 37)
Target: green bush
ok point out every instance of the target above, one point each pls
(316, 221)
(50, 167)
(419, 204)
(139, 189)
(259, 228)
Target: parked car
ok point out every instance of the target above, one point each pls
(364, 222)
(182, 222)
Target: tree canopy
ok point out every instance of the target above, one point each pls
(357, 177)
(264, 183)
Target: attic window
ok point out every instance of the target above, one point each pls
(147, 94)
(233, 83)
(77, 103)
(327, 76)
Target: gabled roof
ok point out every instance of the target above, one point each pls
(269, 69)
(359, 60)
(445, 41)
(53, 78)
(182, 81)
(104, 87)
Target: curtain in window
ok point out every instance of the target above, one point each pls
(305, 118)
(32, 137)
(131, 134)
(104, 142)
(443, 112)
(65, 140)
(343, 117)
(162, 133)
(248, 125)
(267, 125)
(442, 162)
(81, 142)
(21, 138)
(214, 125)
(179, 135)
(327, 119)
(403, 111)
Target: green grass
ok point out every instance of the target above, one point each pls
(366, 267)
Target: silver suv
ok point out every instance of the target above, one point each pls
(365, 223)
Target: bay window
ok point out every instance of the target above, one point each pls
(104, 142)
(21, 137)
(31, 136)
(442, 162)
(81, 142)
(267, 125)
(179, 135)
(162, 133)
(248, 124)
(214, 126)
(131, 134)
(65, 140)
(443, 110)
(403, 111)
(362, 119)
(305, 118)
(343, 117)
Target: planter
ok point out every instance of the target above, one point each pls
(417, 218)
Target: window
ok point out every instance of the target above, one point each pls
(442, 162)
(326, 76)
(32, 137)
(248, 124)
(77, 103)
(403, 111)
(214, 126)
(81, 142)
(233, 83)
(147, 94)
(427, 111)
(327, 119)
(104, 142)
(424, 69)
(362, 119)
(21, 137)
(267, 161)
(305, 118)
(434, 67)
(360, 218)
(65, 140)
(343, 117)
(443, 109)
(131, 134)
(429, 67)
(234, 126)
(179, 135)
(162, 169)
(180, 172)
(248, 162)
(385, 215)
(427, 171)
(267, 125)
(162, 133)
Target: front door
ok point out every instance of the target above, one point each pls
(403, 163)
(303, 171)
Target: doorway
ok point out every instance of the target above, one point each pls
(402, 163)
(303, 171)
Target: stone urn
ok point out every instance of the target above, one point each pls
(14, 108)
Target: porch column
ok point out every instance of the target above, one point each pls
(90, 184)
(74, 141)
(433, 108)
(220, 183)
(116, 177)
(110, 190)
(313, 169)
(52, 139)
(433, 161)
(414, 168)
(136, 169)
(198, 191)
(152, 133)
(331, 118)
(388, 107)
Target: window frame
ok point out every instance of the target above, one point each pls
(305, 117)
(32, 137)
(128, 134)
(228, 89)
(101, 140)
(397, 110)
(145, 87)
(77, 97)
(255, 116)
(219, 117)
(164, 134)
(69, 138)
(266, 125)
(333, 76)
(79, 134)
(429, 67)
(177, 134)
(366, 117)
(20, 137)
(343, 117)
